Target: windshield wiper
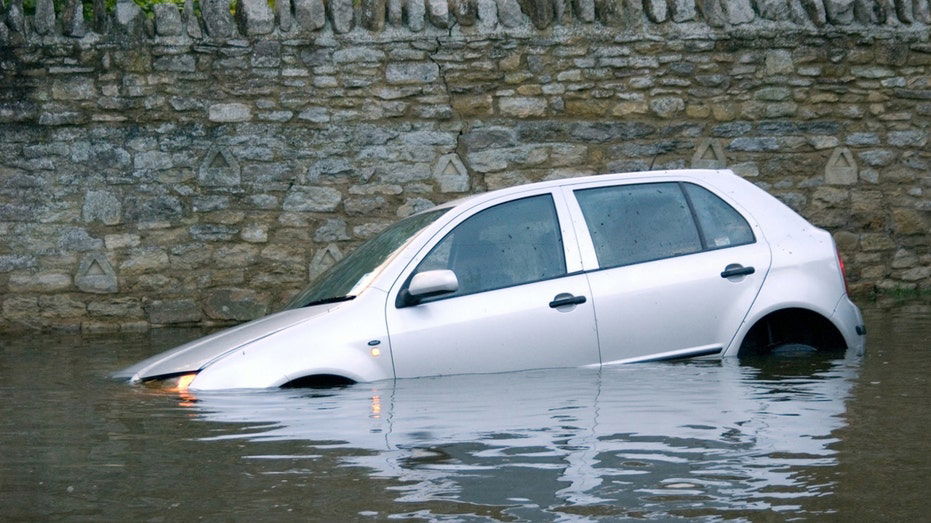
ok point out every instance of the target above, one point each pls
(334, 299)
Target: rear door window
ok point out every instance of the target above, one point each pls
(637, 223)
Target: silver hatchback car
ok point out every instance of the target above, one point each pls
(588, 271)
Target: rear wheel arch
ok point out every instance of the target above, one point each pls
(791, 325)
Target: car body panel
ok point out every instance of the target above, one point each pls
(495, 331)
(670, 308)
(194, 355)
(673, 306)
(335, 343)
(480, 332)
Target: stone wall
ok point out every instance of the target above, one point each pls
(181, 168)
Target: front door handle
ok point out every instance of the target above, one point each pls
(736, 269)
(561, 300)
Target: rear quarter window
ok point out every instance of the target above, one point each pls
(721, 224)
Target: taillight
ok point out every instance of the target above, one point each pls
(843, 270)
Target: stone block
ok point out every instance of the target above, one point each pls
(341, 14)
(12, 262)
(121, 241)
(312, 199)
(877, 157)
(61, 306)
(254, 17)
(415, 12)
(667, 106)
(509, 13)
(709, 154)
(739, 11)
(129, 20)
(451, 175)
(144, 260)
(438, 13)
(254, 233)
(191, 21)
(102, 206)
(15, 17)
(76, 239)
(331, 230)
(152, 209)
(522, 106)
(43, 23)
(323, 259)
(234, 304)
(839, 12)
(167, 312)
(465, 11)
(914, 138)
(167, 20)
(910, 221)
(73, 19)
(413, 206)
(123, 308)
(412, 72)
(310, 15)
(656, 10)
(219, 168)
(218, 19)
(847, 242)
(39, 282)
(315, 115)
(96, 275)
(876, 242)
(230, 112)
(841, 168)
(209, 232)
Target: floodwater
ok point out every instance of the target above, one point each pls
(783, 438)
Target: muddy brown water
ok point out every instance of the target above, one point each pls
(840, 437)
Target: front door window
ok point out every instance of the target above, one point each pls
(509, 244)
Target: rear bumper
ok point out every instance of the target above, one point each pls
(848, 319)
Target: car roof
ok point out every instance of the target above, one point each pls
(670, 173)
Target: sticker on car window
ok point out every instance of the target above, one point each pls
(722, 242)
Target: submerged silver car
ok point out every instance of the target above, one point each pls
(588, 271)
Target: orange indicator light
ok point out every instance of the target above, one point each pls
(185, 381)
(376, 352)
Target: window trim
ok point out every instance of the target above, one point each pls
(564, 227)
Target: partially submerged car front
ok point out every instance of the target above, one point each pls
(317, 339)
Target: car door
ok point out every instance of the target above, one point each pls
(521, 304)
(676, 268)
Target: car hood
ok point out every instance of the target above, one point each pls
(195, 355)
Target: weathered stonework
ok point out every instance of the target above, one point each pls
(177, 169)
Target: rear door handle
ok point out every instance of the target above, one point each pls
(561, 300)
(736, 269)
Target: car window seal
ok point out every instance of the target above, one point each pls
(324, 301)
(695, 220)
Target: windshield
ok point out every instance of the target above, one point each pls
(353, 273)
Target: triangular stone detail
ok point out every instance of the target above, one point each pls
(95, 274)
(841, 168)
(219, 168)
(709, 155)
(451, 174)
(324, 259)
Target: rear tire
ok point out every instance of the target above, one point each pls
(792, 350)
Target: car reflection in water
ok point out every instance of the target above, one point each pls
(652, 439)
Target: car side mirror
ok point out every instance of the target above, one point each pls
(427, 284)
